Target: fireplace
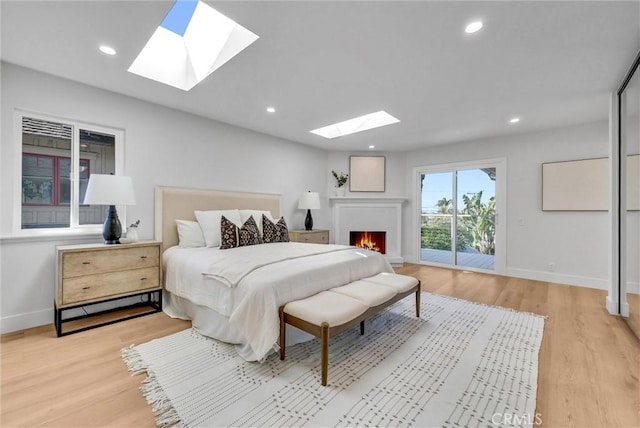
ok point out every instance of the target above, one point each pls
(369, 213)
(375, 241)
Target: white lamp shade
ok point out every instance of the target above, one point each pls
(106, 189)
(309, 201)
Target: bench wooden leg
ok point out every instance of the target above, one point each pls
(324, 340)
(418, 302)
(362, 327)
(283, 328)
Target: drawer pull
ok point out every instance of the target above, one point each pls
(86, 288)
(143, 257)
(86, 263)
(143, 279)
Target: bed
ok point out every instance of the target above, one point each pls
(233, 294)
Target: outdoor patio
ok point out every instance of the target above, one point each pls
(473, 260)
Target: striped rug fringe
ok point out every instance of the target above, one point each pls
(166, 415)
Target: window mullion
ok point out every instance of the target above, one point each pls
(74, 175)
(454, 218)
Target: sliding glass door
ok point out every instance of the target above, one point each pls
(458, 215)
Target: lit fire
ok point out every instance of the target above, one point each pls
(368, 242)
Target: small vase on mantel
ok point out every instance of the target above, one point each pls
(341, 191)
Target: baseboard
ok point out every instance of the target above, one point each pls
(624, 309)
(633, 287)
(395, 261)
(26, 320)
(39, 318)
(559, 278)
(555, 277)
(612, 306)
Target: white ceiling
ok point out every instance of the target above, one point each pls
(551, 63)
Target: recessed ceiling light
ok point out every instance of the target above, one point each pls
(108, 50)
(372, 146)
(473, 27)
(357, 124)
(191, 42)
(271, 110)
(514, 120)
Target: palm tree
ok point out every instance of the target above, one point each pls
(444, 206)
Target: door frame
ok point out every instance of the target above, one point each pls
(500, 164)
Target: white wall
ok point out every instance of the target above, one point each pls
(394, 172)
(577, 243)
(162, 147)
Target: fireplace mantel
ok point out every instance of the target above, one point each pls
(380, 213)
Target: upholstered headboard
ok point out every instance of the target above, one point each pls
(173, 203)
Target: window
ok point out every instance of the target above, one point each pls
(58, 157)
(45, 179)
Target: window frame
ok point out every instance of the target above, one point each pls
(76, 125)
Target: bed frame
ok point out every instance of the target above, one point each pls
(174, 203)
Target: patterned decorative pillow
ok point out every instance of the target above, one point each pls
(249, 234)
(232, 236)
(228, 234)
(277, 232)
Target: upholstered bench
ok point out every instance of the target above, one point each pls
(330, 312)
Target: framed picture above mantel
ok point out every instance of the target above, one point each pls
(366, 173)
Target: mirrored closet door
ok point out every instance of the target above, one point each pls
(629, 135)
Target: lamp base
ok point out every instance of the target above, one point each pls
(308, 221)
(112, 229)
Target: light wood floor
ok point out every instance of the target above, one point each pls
(588, 363)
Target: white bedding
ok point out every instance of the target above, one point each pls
(252, 306)
(229, 267)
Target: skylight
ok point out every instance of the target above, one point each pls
(192, 42)
(357, 124)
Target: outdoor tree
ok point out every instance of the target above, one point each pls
(476, 226)
(479, 221)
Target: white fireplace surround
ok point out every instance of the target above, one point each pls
(373, 213)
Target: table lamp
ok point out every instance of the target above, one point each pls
(309, 201)
(110, 190)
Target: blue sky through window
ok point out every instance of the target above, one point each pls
(179, 16)
(439, 185)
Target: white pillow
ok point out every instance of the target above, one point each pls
(189, 234)
(257, 216)
(210, 224)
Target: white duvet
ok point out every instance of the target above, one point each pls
(249, 284)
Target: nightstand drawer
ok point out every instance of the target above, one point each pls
(99, 286)
(315, 238)
(319, 236)
(75, 264)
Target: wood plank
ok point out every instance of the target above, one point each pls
(588, 363)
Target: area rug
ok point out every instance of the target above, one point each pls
(460, 364)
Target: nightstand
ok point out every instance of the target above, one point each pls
(89, 274)
(315, 236)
